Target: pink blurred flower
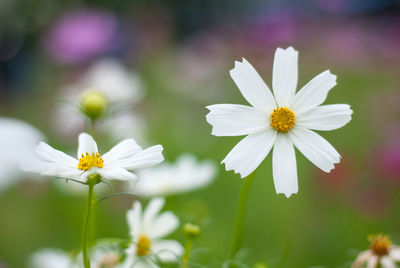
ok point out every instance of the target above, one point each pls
(81, 35)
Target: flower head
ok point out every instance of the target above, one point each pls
(147, 229)
(185, 175)
(281, 120)
(118, 163)
(380, 254)
(105, 91)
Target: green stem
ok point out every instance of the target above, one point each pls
(240, 215)
(86, 261)
(188, 249)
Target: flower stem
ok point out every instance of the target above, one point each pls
(188, 249)
(240, 215)
(86, 261)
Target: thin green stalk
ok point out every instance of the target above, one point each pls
(240, 215)
(86, 261)
(188, 249)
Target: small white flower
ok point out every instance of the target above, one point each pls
(17, 140)
(117, 164)
(280, 121)
(147, 228)
(51, 258)
(381, 254)
(185, 175)
(119, 86)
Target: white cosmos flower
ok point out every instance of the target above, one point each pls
(185, 175)
(17, 140)
(117, 164)
(147, 229)
(381, 254)
(101, 256)
(280, 121)
(51, 258)
(121, 88)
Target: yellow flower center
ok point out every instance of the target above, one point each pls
(143, 246)
(282, 119)
(380, 244)
(88, 161)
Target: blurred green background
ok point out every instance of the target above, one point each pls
(183, 51)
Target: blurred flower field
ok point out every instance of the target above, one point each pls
(147, 70)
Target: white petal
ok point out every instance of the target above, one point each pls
(48, 153)
(122, 150)
(116, 173)
(373, 262)
(284, 75)
(313, 93)
(252, 87)
(134, 218)
(325, 117)
(152, 209)
(248, 154)
(52, 169)
(315, 148)
(284, 166)
(86, 145)
(163, 225)
(168, 250)
(362, 259)
(146, 158)
(394, 253)
(386, 262)
(235, 120)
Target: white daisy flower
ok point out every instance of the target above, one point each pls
(117, 164)
(119, 88)
(280, 121)
(381, 254)
(102, 257)
(51, 258)
(147, 229)
(17, 141)
(185, 175)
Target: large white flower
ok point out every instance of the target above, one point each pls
(17, 141)
(121, 89)
(280, 121)
(147, 229)
(185, 175)
(117, 164)
(381, 254)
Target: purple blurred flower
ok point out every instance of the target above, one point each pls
(388, 161)
(81, 35)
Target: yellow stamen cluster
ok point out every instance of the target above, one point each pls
(88, 161)
(143, 246)
(380, 244)
(282, 119)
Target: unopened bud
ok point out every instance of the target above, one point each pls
(191, 229)
(93, 103)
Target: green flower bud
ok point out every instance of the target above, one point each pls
(93, 103)
(191, 229)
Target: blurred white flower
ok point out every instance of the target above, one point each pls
(17, 141)
(103, 256)
(117, 164)
(280, 121)
(121, 88)
(51, 258)
(185, 175)
(147, 228)
(381, 254)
